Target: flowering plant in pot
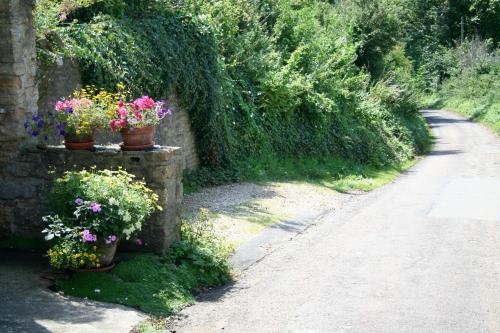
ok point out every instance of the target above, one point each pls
(91, 211)
(136, 121)
(75, 118)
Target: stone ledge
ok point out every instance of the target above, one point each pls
(25, 179)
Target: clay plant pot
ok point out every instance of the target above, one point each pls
(138, 138)
(79, 142)
(106, 253)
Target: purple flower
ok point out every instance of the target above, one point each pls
(163, 112)
(96, 208)
(69, 110)
(26, 124)
(88, 237)
(79, 201)
(40, 123)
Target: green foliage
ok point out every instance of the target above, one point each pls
(160, 285)
(202, 253)
(473, 88)
(267, 77)
(123, 203)
(73, 254)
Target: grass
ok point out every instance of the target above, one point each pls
(145, 282)
(241, 222)
(477, 108)
(334, 173)
(162, 285)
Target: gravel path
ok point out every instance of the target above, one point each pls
(241, 211)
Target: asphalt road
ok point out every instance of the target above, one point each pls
(419, 255)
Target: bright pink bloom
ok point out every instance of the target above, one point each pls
(123, 113)
(144, 102)
(120, 104)
(59, 106)
(138, 115)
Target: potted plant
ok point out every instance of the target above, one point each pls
(91, 211)
(136, 122)
(75, 118)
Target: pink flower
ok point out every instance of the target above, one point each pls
(144, 102)
(111, 239)
(112, 124)
(88, 237)
(138, 115)
(69, 103)
(123, 113)
(96, 207)
(138, 242)
(122, 123)
(120, 104)
(60, 106)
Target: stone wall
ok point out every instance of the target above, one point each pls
(18, 92)
(61, 79)
(27, 180)
(56, 81)
(24, 168)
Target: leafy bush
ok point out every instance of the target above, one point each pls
(92, 210)
(201, 252)
(474, 84)
(103, 201)
(267, 77)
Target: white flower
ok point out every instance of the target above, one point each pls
(127, 217)
(97, 290)
(113, 201)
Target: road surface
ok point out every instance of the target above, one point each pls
(419, 255)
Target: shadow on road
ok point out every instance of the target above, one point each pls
(445, 152)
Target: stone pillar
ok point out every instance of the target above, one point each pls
(18, 92)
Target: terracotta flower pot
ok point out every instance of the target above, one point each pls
(79, 142)
(138, 138)
(106, 253)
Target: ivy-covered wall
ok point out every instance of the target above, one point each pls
(60, 78)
